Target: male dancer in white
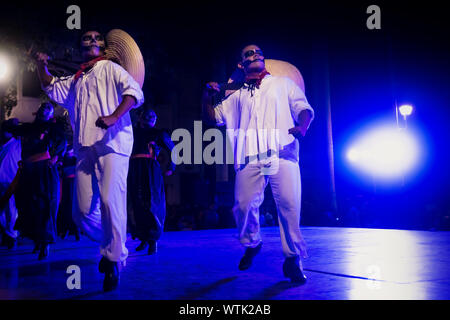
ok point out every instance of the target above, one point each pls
(265, 116)
(98, 99)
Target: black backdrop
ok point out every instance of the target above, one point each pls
(360, 72)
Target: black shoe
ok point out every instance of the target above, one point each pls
(44, 251)
(111, 270)
(142, 246)
(103, 265)
(77, 236)
(37, 246)
(152, 248)
(9, 242)
(249, 254)
(291, 269)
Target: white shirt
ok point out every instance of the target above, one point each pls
(98, 92)
(259, 121)
(9, 161)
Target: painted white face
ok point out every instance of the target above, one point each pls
(252, 59)
(92, 45)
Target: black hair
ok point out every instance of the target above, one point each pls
(44, 104)
(238, 47)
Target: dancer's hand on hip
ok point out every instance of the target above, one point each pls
(106, 122)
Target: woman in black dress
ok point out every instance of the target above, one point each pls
(145, 182)
(65, 222)
(37, 194)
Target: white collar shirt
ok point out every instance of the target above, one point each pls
(257, 120)
(98, 92)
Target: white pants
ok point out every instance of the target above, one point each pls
(101, 200)
(286, 189)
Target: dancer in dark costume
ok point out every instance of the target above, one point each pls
(37, 193)
(65, 222)
(145, 182)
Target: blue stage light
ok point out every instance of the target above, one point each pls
(385, 152)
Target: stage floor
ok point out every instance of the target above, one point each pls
(344, 264)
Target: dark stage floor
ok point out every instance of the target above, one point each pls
(343, 264)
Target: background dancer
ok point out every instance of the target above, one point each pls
(37, 194)
(65, 222)
(145, 181)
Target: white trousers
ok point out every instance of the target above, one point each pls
(101, 200)
(286, 189)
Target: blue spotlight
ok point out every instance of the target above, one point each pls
(385, 152)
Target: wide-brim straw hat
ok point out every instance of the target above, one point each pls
(275, 68)
(122, 49)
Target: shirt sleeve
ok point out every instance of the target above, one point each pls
(297, 100)
(126, 85)
(60, 90)
(224, 110)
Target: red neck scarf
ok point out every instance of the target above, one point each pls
(256, 78)
(87, 65)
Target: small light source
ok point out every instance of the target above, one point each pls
(4, 67)
(406, 110)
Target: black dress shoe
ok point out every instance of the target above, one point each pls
(111, 280)
(44, 251)
(9, 242)
(249, 254)
(37, 246)
(152, 247)
(291, 269)
(142, 246)
(102, 265)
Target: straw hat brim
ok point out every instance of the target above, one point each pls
(276, 68)
(122, 49)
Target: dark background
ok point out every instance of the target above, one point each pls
(361, 73)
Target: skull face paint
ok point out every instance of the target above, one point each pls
(252, 59)
(92, 45)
